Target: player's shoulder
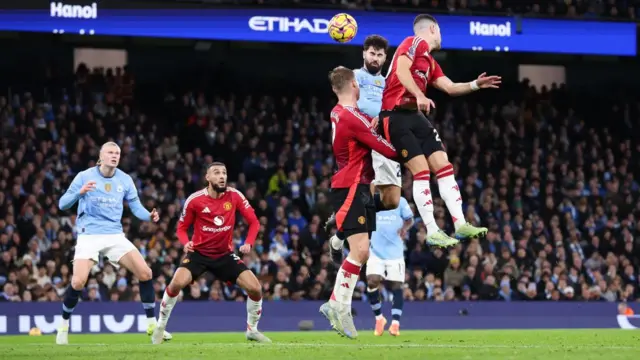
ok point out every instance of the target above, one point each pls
(403, 201)
(90, 172)
(195, 197)
(356, 114)
(235, 193)
(119, 174)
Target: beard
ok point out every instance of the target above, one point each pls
(372, 68)
(217, 188)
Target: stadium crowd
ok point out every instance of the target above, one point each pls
(573, 9)
(555, 187)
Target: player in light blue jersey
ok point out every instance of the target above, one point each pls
(99, 192)
(386, 262)
(388, 180)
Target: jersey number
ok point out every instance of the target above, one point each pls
(333, 132)
(235, 257)
(436, 135)
(399, 174)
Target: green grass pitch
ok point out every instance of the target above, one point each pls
(438, 345)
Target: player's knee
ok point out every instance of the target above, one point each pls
(373, 282)
(396, 285)
(438, 160)
(254, 290)
(145, 274)
(180, 280)
(391, 201)
(361, 253)
(78, 282)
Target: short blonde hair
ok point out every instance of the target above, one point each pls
(340, 77)
(108, 143)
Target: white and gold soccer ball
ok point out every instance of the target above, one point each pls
(343, 28)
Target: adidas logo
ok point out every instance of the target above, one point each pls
(206, 210)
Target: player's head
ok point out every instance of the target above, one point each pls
(374, 53)
(109, 154)
(426, 26)
(217, 177)
(343, 82)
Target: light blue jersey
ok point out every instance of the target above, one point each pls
(100, 210)
(386, 244)
(371, 87)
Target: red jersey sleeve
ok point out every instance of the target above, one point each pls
(249, 215)
(411, 46)
(436, 72)
(367, 135)
(186, 220)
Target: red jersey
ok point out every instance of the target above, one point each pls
(424, 70)
(214, 220)
(353, 139)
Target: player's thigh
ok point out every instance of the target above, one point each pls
(434, 149)
(196, 264)
(133, 261)
(400, 129)
(351, 208)
(375, 266)
(81, 270)
(228, 268)
(248, 281)
(181, 278)
(88, 247)
(394, 270)
(387, 172)
(390, 195)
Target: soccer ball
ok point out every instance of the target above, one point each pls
(343, 28)
(35, 332)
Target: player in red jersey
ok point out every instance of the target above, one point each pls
(403, 123)
(353, 138)
(212, 212)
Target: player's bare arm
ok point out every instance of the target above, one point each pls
(483, 81)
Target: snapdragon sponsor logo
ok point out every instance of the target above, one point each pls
(288, 24)
(477, 28)
(68, 11)
(216, 230)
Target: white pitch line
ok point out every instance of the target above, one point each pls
(356, 345)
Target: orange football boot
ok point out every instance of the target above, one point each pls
(380, 324)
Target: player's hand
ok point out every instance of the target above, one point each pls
(90, 186)
(374, 123)
(245, 249)
(154, 215)
(485, 81)
(403, 233)
(425, 104)
(188, 247)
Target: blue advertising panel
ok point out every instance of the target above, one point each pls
(310, 27)
(206, 316)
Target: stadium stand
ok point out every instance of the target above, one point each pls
(555, 186)
(558, 192)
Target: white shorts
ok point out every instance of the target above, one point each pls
(112, 246)
(390, 270)
(388, 172)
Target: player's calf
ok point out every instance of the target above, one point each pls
(81, 269)
(396, 309)
(134, 262)
(373, 293)
(250, 283)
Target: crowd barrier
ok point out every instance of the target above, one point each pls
(97, 317)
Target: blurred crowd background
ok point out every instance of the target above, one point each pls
(577, 9)
(552, 173)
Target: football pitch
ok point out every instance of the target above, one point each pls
(476, 344)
